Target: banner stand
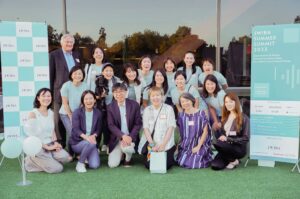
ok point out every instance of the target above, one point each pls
(296, 166)
(24, 182)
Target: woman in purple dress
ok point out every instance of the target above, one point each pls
(194, 148)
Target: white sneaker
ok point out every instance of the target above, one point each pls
(128, 149)
(104, 147)
(80, 167)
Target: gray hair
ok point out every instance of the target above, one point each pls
(187, 96)
(65, 36)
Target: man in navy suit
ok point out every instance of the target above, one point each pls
(124, 122)
(60, 63)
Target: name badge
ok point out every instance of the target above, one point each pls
(191, 123)
(232, 133)
(163, 116)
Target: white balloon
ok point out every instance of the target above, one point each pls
(32, 128)
(32, 145)
(11, 148)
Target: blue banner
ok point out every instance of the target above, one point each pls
(275, 93)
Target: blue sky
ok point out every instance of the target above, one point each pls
(124, 17)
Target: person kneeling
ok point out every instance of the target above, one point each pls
(124, 122)
(194, 150)
(86, 125)
(52, 155)
(159, 124)
(232, 144)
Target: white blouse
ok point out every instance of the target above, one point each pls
(165, 120)
(43, 125)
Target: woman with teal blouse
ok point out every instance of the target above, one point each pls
(134, 85)
(182, 87)
(145, 72)
(71, 92)
(208, 69)
(170, 68)
(191, 70)
(159, 80)
(95, 68)
(214, 97)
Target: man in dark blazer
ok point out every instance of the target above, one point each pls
(124, 122)
(60, 63)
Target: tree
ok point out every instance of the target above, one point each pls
(53, 36)
(101, 42)
(180, 33)
(297, 19)
(77, 38)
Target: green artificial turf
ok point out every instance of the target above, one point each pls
(137, 182)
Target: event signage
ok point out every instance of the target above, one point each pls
(25, 69)
(275, 93)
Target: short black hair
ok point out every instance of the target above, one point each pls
(36, 102)
(76, 68)
(172, 60)
(84, 93)
(119, 85)
(180, 72)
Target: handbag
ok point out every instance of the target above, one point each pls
(158, 162)
(144, 149)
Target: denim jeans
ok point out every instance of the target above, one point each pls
(68, 125)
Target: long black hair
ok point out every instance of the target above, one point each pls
(130, 66)
(194, 64)
(165, 84)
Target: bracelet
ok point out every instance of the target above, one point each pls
(151, 144)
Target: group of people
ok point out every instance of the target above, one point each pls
(138, 112)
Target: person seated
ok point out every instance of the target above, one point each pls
(232, 144)
(52, 155)
(124, 122)
(86, 125)
(194, 148)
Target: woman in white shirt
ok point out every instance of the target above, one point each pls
(52, 155)
(159, 124)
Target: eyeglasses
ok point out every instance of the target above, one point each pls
(119, 92)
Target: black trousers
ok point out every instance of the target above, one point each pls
(170, 158)
(105, 130)
(227, 153)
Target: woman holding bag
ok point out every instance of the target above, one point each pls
(159, 124)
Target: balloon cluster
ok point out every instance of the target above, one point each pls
(12, 147)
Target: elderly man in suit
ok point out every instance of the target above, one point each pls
(60, 63)
(124, 121)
